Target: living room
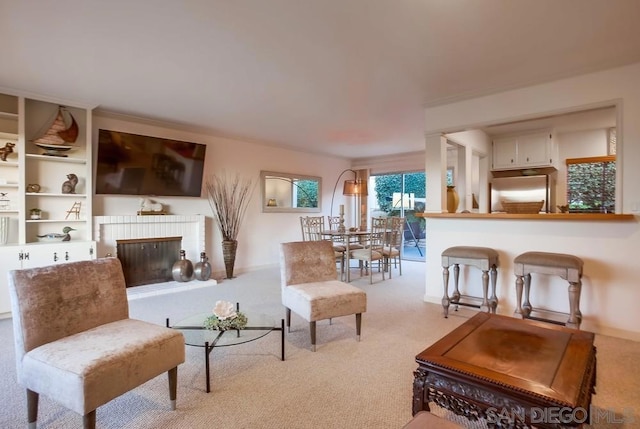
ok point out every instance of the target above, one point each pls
(609, 295)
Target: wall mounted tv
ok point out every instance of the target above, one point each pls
(131, 164)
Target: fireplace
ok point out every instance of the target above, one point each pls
(109, 231)
(148, 260)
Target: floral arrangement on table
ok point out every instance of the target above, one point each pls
(225, 317)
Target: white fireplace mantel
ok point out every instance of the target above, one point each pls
(108, 229)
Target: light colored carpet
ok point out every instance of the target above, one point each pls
(344, 384)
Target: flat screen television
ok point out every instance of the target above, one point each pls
(131, 164)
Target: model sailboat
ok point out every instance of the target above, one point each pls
(60, 135)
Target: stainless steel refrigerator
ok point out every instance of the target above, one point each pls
(523, 188)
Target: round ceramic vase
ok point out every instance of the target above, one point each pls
(182, 270)
(202, 269)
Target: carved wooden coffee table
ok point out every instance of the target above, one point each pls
(511, 372)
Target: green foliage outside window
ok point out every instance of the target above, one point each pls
(414, 183)
(591, 187)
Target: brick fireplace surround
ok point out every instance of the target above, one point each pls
(108, 229)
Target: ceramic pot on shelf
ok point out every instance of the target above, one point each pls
(452, 199)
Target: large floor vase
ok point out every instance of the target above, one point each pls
(229, 248)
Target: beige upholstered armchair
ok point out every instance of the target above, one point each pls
(310, 288)
(75, 342)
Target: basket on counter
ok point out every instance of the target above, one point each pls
(522, 207)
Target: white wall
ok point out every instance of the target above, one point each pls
(261, 232)
(609, 248)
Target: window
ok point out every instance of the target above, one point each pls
(591, 184)
(402, 194)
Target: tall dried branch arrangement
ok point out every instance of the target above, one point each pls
(229, 198)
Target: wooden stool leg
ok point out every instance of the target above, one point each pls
(519, 283)
(455, 298)
(445, 297)
(493, 301)
(574, 305)
(526, 306)
(485, 291)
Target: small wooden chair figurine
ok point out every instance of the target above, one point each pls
(75, 209)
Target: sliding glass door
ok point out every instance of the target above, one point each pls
(401, 194)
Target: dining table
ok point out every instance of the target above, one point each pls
(348, 237)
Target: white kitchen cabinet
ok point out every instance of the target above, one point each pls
(505, 153)
(524, 151)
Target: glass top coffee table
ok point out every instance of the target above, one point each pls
(196, 335)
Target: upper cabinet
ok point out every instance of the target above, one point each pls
(45, 180)
(524, 151)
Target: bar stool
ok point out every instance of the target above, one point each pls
(484, 258)
(568, 267)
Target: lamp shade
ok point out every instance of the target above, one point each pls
(355, 187)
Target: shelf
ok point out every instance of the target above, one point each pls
(8, 211)
(61, 159)
(540, 216)
(54, 194)
(9, 163)
(8, 185)
(5, 115)
(54, 220)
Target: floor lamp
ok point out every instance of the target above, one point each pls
(356, 187)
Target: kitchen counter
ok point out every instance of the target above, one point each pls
(539, 216)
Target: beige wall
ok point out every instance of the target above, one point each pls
(609, 248)
(261, 232)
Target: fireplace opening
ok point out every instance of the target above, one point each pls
(148, 260)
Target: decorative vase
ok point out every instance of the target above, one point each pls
(182, 270)
(202, 269)
(452, 199)
(229, 248)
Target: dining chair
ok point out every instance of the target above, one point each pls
(313, 229)
(373, 248)
(393, 243)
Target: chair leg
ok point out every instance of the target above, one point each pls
(387, 264)
(89, 420)
(312, 331)
(288, 318)
(32, 408)
(173, 386)
(358, 325)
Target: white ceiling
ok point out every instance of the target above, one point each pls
(348, 78)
